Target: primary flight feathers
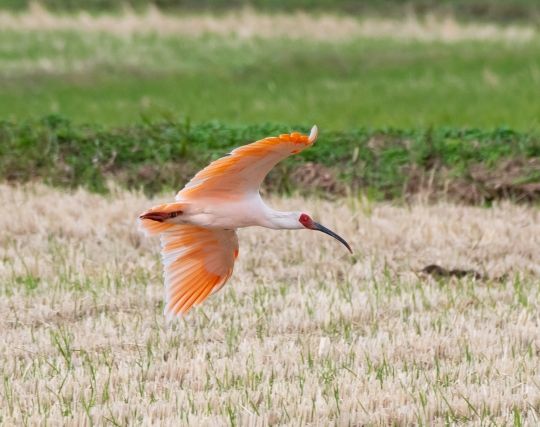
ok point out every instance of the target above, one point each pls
(197, 261)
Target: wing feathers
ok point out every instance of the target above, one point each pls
(205, 292)
(197, 261)
(245, 168)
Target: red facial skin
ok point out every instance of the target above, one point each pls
(306, 221)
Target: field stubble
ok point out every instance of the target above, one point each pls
(248, 23)
(302, 334)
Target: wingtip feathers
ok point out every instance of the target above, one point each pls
(313, 134)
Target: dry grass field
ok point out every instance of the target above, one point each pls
(302, 334)
(247, 23)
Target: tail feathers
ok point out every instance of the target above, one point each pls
(160, 218)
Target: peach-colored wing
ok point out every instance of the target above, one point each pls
(197, 261)
(243, 171)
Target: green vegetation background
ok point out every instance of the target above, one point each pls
(382, 163)
(396, 117)
(100, 78)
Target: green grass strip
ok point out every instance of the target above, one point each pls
(383, 163)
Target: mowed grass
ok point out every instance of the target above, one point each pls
(103, 78)
(303, 333)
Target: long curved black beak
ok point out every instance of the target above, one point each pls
(319, 227)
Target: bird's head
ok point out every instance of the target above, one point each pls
(306, 222)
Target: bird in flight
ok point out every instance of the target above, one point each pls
(199, 244)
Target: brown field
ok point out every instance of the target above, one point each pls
(302, 334)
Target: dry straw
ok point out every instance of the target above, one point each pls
(302, 334)
(246, 23)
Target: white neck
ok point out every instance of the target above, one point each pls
(278, 220)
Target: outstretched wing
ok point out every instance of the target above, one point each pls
(197, 261)
(243, 171)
